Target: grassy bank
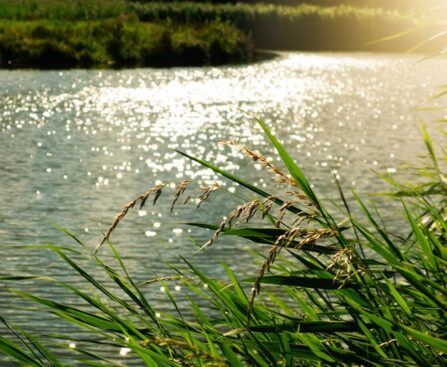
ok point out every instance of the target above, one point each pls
(118, 42)
(302, 27)
(188, 33)
(332, 289)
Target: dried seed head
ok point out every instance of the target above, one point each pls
(243, 212)
(247, 211)
(316, 235)
(261, 272)
(157, 189)
(282, 212)
(206, 191)
(179, 190)
(285, 240)
(342, 262)
(258, 157)
(215, 236)
(187, 200)
(281, 177)
(303, 216)
(301, 197)
(266, 206)
(281, 241)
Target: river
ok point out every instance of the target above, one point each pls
(77, 145)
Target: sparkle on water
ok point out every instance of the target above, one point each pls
(125, 351)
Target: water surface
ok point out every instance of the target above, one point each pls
(77, 145)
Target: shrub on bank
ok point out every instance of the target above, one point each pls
(118, 42)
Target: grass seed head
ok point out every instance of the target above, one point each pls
(157, 190)
(206, 192)
(260, 158)
(179, 190)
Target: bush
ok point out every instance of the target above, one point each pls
(118, 42)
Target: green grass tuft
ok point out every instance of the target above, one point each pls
(328, 292)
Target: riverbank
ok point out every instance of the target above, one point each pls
(118, 33)
(118, 42)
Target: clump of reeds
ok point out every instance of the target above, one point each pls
(345, 293)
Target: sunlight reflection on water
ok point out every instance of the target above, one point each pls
(77, 144)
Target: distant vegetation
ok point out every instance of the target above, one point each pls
(108, 33)
(63, 9)
(118, 42)
(88, 33)
(91, 9)
(385, 4)
(302, 27)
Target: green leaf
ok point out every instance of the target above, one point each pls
(231, 357)
(317, 283)
(241, 182)
(293, 169)
(301, 327)
(266, 236)
(439, 344)
(13, 350)
(399, 299)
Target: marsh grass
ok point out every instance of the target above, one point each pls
(327, 292)
(383, 4)
(302, 27)
(62, 9)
